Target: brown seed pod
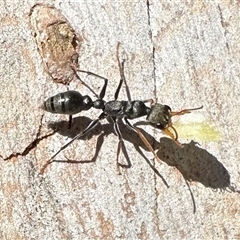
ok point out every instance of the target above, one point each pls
(57, 42)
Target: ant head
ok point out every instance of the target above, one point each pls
(160, 116)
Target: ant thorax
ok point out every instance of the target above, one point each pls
(128, 109)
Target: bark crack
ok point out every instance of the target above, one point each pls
(32, 145)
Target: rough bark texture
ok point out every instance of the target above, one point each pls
(183, 54)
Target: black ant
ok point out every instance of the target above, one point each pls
(72, 102)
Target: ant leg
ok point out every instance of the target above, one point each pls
(145, 141)
(118, 89)
(102, 93)
(70, 122)
(78, 77)
(184, 111)
(120, 140)
(87, 129)
(151, 101)
(122, 76)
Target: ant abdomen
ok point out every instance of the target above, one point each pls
(70, 103)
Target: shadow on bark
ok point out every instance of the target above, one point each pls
(80, 123)
(194, 163)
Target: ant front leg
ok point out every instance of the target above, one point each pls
(86, 130)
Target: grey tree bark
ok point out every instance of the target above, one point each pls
(183, 54)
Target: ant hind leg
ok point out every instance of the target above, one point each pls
(87, 129)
